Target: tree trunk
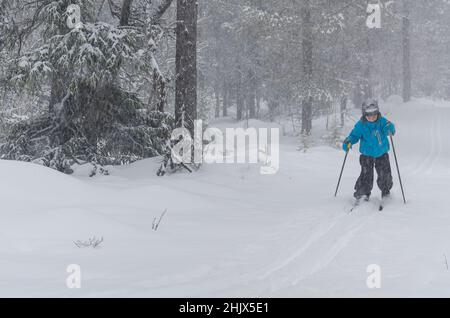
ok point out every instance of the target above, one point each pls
(239, 97)
(307, 45)
(251, 96)
(225, 99)
(307, 115)
(406, 53)
(159, 88)
(217, 95)
(158, 98)
(126, 12)
(366, 85)
(343, 109)
(274, 104)
(258, 102)
(365, 88)
(186, 64)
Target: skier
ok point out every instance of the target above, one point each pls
(373, 131)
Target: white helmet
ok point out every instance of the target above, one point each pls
(370, 107)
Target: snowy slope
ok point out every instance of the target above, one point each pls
(230, 231)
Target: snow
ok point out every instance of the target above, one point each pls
(230, 231)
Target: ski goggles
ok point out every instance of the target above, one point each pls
(371, 112)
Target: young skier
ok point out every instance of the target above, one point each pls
(373, 131)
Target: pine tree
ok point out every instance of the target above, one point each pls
(91, 116)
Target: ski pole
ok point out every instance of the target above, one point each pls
(398, 170)
(342, 170)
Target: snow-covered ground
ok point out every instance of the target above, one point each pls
(230, 231)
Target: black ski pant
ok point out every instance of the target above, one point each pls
(364, 184)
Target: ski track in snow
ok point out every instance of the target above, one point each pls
(434, 144)
(318, 233)
(321, 246)
(438, 146)
(430, 157)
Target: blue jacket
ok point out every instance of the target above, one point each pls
(373, 136)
